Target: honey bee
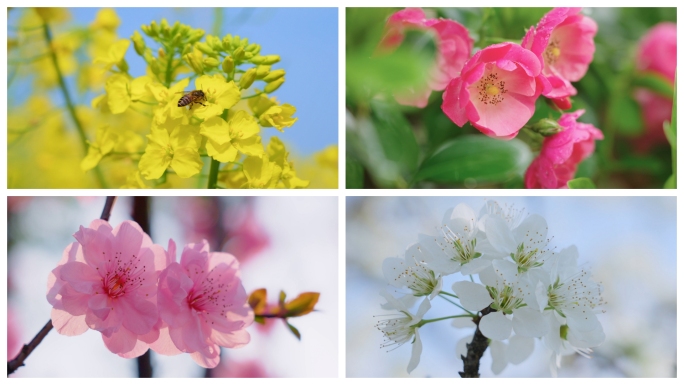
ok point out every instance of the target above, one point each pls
(191, 98)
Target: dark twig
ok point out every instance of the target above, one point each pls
(18, 361)
(141, 215)
(476, 348)
(107, 210)
(27, 349)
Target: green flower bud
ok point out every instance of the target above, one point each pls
(160, 53)
(271, 59)
(154, 66)
(271, 87)
(123, 66)
(239, 54)
(146, 30)
(247, 78)
(547, 127)
(176, 28)
(251, 48)
(195, 35)
(236, 41)
(187, 48)
(248, 55)
(228, 43)
(177, 40)
(147, 55)
(204, 47)
(262, 71)
(214, 43)
(138, 43)
(196, 65)
(185, 30)
(244, 42)
(258, 59)
(164, 27)
(154, 29)
(228, 65)
(211, 62)
(274, 75)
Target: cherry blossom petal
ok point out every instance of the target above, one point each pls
(416, 351)
(498, 351)
(519, 349)
(472, 296)
(528, 322)
(496, 326)
(67, 324)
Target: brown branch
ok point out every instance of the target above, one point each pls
(27, 349)
(18, 361)
(107, 210)
(476, 348)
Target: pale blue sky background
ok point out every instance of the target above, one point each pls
(629, 243)
(305, 38)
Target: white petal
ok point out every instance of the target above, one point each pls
(519, 348)
(581, 319)
(416, 350)
(552, 339)
(407, 299)
(475, 266)
(541, 296)
(529, 323)
(586, 339)
(507, 270)
(461, 348)
(499, 235)
(434, 255)
(393, 269)
(532, 231)
(393, 302)
(496, 326)
(488, 277)
(498, 350)
(422, 309)
(473, 296)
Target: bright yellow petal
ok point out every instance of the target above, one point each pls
(222, 152)
(154, 161)
(216, 129)
(118, 98)
(243, 125)
(250, 146)
(186, 162)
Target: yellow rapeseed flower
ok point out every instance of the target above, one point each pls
(261, 172)
(105, 140)
(176, 148)
(226, 139)
(272, 114)
(278, 154)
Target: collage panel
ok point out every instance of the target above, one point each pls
(511, 98)
(172, 287)
(511, 287)
(172, 98)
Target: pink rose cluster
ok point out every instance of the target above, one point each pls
(496, 88)
(657, 54)
(118, 282)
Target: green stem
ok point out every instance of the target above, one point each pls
(70, 104)
(457, 305)
(449, 294)
(250, 96)
(427, 321)
(213, 173)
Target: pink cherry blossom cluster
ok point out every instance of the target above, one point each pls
(496, 88)
(118, 282)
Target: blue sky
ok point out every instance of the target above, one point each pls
(305, 38)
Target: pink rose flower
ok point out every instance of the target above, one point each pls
(496, 90)
(657, 52)
(204, 304)
(107, 281)
(564, 43)
(453, 49)
(562, 153)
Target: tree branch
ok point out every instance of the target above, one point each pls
(476, 348)
(18, 361)
(141, 215)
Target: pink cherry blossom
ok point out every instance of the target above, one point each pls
(561, 153)
(204, 304)
(107, 281)
(453, 49)
(236, 369)
(564, 42)
(246, 236)
(14, 343)
(657, 52)
(496, 90)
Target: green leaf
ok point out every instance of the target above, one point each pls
(671, 182)
(625, 112)
(654, 82)
(395, 135)
(294, 331)
(354, 173)
(476, 159)
(581, 183)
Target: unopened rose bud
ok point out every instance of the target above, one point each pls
(547, 127)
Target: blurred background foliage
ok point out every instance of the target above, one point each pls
(394, 146)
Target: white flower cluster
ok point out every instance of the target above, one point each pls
(532, 292)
